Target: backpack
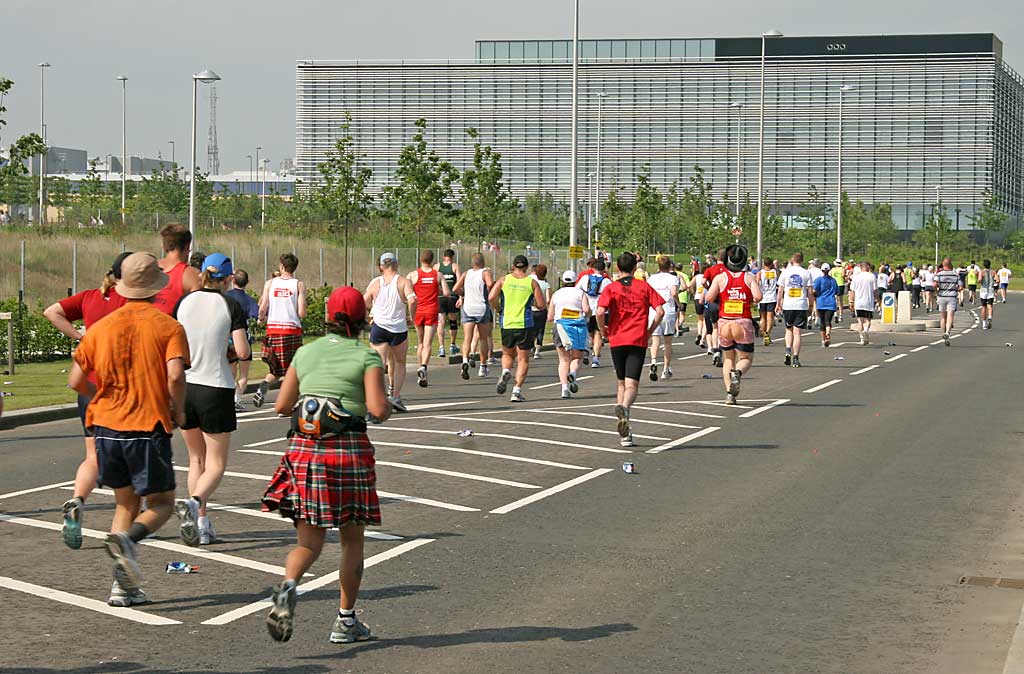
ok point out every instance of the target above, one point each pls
(594, 282)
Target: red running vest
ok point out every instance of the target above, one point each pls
(734, 301)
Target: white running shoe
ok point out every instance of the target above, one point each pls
(187, 510)
(627, 441)
(121, 597)
(517, 397)
(666, 373)
(421, 376)
(595, 362)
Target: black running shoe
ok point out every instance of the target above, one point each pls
(654, 372)
(465, 370)
(789, 359)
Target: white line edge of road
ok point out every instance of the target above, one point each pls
(1015, 656)
(869, 368)
(764, 408)
(453, 473)
(326, 579)
(679, 441)
(696, 355)
(533, 498)
(956, 336)
(56, 485)
(920, 348)
(896, 358)
(821, 387)
(85, 602)
(558, 383)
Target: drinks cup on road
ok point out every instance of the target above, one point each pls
(629, 467)
(839, 358)
(464, 433)
(707, 376)
(181, 567)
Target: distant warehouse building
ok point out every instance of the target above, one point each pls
(923, 111)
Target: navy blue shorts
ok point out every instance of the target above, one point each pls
(138, 459)
(83, 402)
(379, 335)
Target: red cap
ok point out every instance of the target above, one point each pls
(346, 300)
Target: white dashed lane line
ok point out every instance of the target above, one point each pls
(821, 387)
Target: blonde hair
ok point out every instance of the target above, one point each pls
(108, 282)
(209, 281)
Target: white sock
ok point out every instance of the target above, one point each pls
(505, 371)
(204, 522)
(517, 389)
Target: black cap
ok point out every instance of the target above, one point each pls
(736, 258)
(520, 262)
(115, 268)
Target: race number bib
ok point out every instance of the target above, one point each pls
(770, 275)
(570, 313)
(795, 293)
(734, 307)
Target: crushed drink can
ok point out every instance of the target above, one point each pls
(181, 567)
(629, 467)
(464, 433)
(839, 358)
(707, 376)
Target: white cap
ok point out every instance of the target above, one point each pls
(568, 276)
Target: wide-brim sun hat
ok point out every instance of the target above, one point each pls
(141, 277)
(736, 257)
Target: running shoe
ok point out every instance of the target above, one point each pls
(654, 372)
(767, 340)
(586, 357)
(207, 536)
(486, 370)
(789, 359)
(573, 386)
(282, 613)
(517, 397)
(565, 394)
(867, 339)
(627, 441)
(536, 354)
(454, 350)
(126, 568)
(440, 352)
(990, 324)
(595, 362)
(827, 343)
(945, 339)
(503, 382)
(492, 361)
(421, 376)
(465, 370)
(696, 340)
(796, 361)
(71, 531)
(716, 360)
(239, 406)
(730, 399)
(734, 383)
(398, 405)
(260, 395)
(121, 597)
(472, 360)
(188, 511)
(666, 373)
(348, 633)
(622, 425)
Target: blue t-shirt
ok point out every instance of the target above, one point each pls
(250, 306)
(825, 293)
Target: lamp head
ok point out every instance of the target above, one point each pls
(847, 88)
(44, 64)
(206, 76)
(771, 33)
(738, 105)
(122, 78)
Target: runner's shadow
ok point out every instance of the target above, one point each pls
(495, 635)
(136, 667)
(41, 437)
(719, 447)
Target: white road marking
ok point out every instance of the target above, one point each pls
(937, 342)
(679, 441)
(452, 473)
(533, 498)
(1015, 657)
(696, 355)
(231, 473)
(56, 485)
(821, 387)
(692, 414)
(613, 418)
(837, 344)
(431, 406)
(85, 602)
(869, 368)
(163, 545)
(956, 336)
(273, 418)
(427, 502)
(708, 402)
(261, 514)
(326, 579)
(562, 427)
(764, 408)
(920, 348)
(558, 383)
(266, 442)
(895, 358)
(968, 330)
(250, 414)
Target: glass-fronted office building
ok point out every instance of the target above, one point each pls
(922, 111)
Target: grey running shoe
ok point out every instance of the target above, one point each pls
(239, 407)
(207, 535)
(586, 358)
(716, 360)
(187, 511)
(122, 597)
(627, 441)
(421, 376)
(734, 383)
(398, 405)
(517, 397)
(503, 382)
(666, 373)
(654, 372)
(730, 399)
(440, 352)
(565, 394)
(573, 386)
(472, 360)
(71, 531)
(622, 415)
(260, 395)
(465, 370)
(342, 633)
(945, 339)
(595, 362)
(796, 361)
(454, 350)
(126, 568)
(282, 613)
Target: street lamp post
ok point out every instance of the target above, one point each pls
(174, 166)
(575, 109)
(256, 181)
(760, 145)
(124, 143)
(738, 107)
(938, 203)
(590, 211)
(845, 89)
(249, 157)
(263, 195)
(42, 134)
(206, 76)
(600, 132)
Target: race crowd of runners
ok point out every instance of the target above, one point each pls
(167, 346)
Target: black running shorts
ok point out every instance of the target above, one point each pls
(628, 361)
(210, 409)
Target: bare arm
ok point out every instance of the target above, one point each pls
(407, 291)
(444, 286)
(459, 283)
(376, 395)
(755, 289)
(288, 395)
(539, 301)
(241, 343)
(302, 299)
(176, 389)
(601, 313)
(495, 294)
(711, 294)
(55, 314)
(79, 382)
(264, 302)
(190, 280)
(371, 292)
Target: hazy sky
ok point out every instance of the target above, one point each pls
(254, 45)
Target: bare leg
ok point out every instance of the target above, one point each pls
(309, 543)
(522, 365)
(667, 361)
(486, 341)
(507, 358)
(563, 366)
(728, 365)
(468, 335)
(744, 361)
(88, 471)
(351, 567)
(195, 441)
(399, 355)
(795, 332)
(214, 463)
(630, 387)
(655, 344)
(243, 376)
(425, 335)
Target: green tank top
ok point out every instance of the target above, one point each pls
(448, 272)
(684, 282)
(972, 277)
(516, 297)
(837, 274)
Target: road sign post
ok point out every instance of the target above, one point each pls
(9, 317)
(888, 308)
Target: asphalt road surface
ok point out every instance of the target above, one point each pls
(823, 525)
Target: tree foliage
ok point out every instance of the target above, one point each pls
(423, 195)
(485, 198)
(343, 191)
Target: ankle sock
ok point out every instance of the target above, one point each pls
(348, 616)
(137, 531)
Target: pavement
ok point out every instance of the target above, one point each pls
(822, 525)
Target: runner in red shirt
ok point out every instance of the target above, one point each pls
(711, 310)
(89, 307)
(624, 317)
(735, 290)
(429, 285)
(184, 279)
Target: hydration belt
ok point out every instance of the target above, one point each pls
(321, 417)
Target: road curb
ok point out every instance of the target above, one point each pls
(41, 415)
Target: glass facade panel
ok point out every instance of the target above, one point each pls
(633, 49)
(530, 50)
(618, 49)
(664, 49)
(544, 50)
(604, 49)
(501, 51)
(487, 50)
(516, 51)
(588, 49)
(707, 50)
(692, 50)
(648, 49)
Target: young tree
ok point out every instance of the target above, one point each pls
(424, 191)
(613, 227)
(816, 215)
(646, 219)
(988, 218)
(343, 189)
(938, 231)
(546, 220)
(485, 198)
(12, 172)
